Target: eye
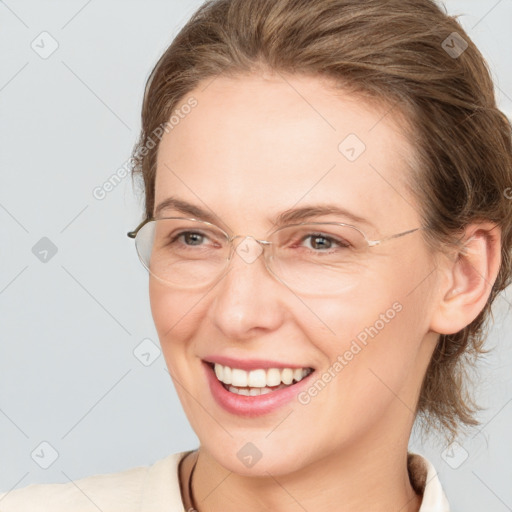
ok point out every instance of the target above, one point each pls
(322, 242)
(187, 239)
(191, 237)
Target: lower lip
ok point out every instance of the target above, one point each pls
(251, 406)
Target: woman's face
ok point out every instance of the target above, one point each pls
(252, 148)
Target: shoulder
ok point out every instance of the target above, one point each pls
(151, 487)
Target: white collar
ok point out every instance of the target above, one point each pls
(425, 481)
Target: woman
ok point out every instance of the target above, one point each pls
(326, 229)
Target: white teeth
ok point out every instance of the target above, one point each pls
(259, 381)
(297, 374)
(273, 377)
(238, 377)
(287, 375)
(219, 372)
(253, 391)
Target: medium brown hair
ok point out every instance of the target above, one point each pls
(395, 52)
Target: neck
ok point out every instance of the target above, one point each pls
(342, 481)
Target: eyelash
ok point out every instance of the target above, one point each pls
(340, 243)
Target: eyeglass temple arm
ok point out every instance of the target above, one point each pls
(372, 243)
(133, 234)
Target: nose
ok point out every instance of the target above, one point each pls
(247, 300)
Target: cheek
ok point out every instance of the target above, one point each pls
(174, 314)
(376, 331)
(383, 335)
(387, 300)
(370, 368)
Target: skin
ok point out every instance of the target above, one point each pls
(254, 146)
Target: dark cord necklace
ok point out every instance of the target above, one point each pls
(190, 493)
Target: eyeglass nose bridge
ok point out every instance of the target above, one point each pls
(250, 248)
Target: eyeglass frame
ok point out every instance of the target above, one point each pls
(266, 243)
(371, 243)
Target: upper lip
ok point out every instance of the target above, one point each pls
(251, 364)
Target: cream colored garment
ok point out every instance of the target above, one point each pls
(156, 489)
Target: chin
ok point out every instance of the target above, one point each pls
(259, 458)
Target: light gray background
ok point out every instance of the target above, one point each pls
(69, 326)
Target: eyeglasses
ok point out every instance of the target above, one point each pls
(311, 258)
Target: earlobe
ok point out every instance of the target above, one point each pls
(469, 278)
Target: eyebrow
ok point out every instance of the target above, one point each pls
(292, 215)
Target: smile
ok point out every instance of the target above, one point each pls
(259, 381)
(257, 389)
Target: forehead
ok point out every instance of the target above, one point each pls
(262, 143)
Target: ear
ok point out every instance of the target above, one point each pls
(468, 277)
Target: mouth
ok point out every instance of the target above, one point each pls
(258, 381)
